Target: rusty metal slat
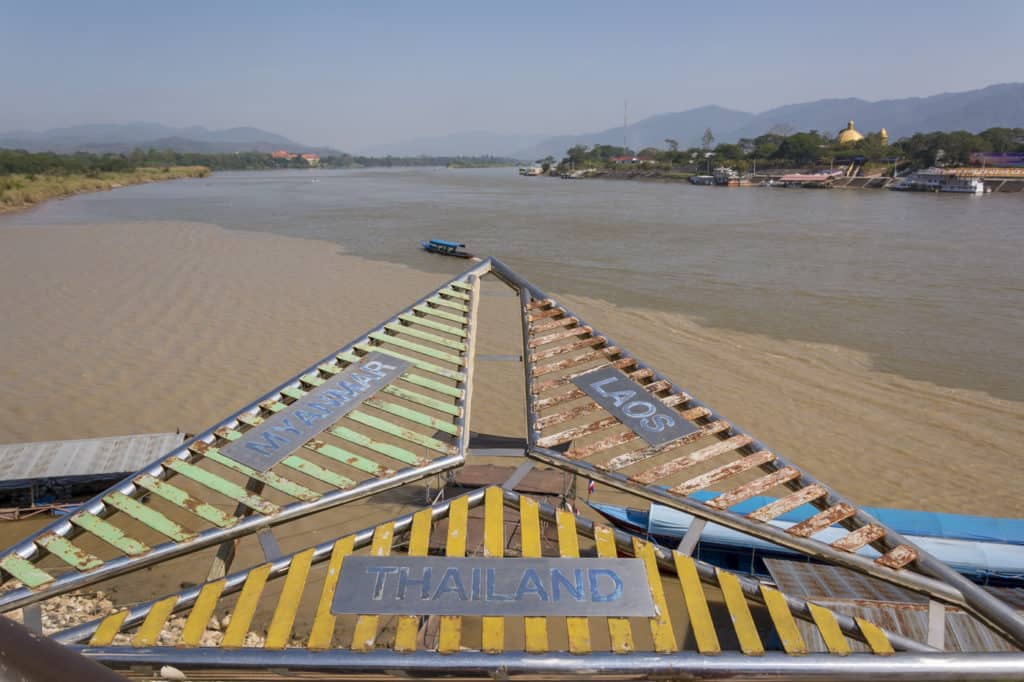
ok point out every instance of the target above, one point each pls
(723, 472)
(864, 535)
(788, 503)
(822, 520)
(674, 466)
(540, 303)
(68, 552)
(558, 336)
(562, 417)
(552, 312)
(542, 386)
(540, 370)
(897, 557)
(577, 432)
(754, 488)
(552, 324)
(576, 394)
(537, 356)
(630, 458)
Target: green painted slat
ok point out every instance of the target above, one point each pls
(318, 472)
(68, 552)
(420, 399)
(462, 285)
(279, 483)
(444, 302)
(109, 533)
(149, 517)
(385, 426)
(293, 392)
(409, 330)
(431, 324)
(417, 347)
(222, 486)
(440, 313)
(25, 571)
(350, 458)
(387, 449)
(180, 498)
(408, 376)
(413, 416)
(455, 294)
(419, 364)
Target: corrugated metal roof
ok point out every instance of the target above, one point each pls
(817, 581)
(885, 605)
(88, 457)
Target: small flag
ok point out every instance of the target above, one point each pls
(590, 487)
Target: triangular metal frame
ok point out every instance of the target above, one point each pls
(368, 650)
(558, 343)
(372, 448)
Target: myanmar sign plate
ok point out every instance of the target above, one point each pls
(266, 444)
(628, 402)
(449, 586)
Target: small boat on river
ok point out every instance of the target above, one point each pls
(446, 248)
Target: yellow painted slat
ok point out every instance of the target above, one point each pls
(569, 547)
(107, 628)
(284, 615)
(419, 543)
(245, 607)
(450, 634)
(619, 632)
(493, 627)
(829, 630)
(661, 624)
(364, 637)
(875, 638)
(202, 611)
(149, 632)
(792, 642)
(696, 605)
(322, 632)
(535, 627)
(739, 612)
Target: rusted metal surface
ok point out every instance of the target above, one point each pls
(610, 351)
(723, 472)
(553, 324)
(678, 464)
(554, 351)
(897, 557)
(822, 520)
(756, 487)
(541, 386)
(788, 503)
(576, 394)
(864, 535)
(558, 336)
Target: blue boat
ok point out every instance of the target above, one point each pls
(989, 551)
(446, 248)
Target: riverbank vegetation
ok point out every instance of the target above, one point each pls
(802, 150)
(21, 190)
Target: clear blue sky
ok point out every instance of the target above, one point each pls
(350, 74)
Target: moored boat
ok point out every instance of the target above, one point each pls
(937, 180)
(446, 248)
(986, 550)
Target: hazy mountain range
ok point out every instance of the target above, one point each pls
(123, 137)
(974, 110)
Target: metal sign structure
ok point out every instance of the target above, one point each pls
(389, 408)
(606, 445)
(174, 630)
(392, 408)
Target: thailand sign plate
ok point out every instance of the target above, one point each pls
(450, 586)
(266, 444)
(628, 402)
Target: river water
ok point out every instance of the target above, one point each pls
(929, 286)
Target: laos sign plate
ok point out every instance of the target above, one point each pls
(450, 586)
(628, 402)
(266, 444)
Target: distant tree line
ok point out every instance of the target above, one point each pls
(784, 148)
(89, 164)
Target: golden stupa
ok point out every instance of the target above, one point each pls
(884, 134)
(849, 135)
